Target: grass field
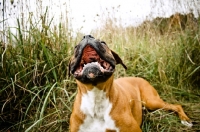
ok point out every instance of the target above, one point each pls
(36, 93)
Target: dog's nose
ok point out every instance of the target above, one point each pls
(88, 37)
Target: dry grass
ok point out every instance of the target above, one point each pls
(37, 95)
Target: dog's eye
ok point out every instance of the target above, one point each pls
(103, 42)
(76, 50)
(77, 47)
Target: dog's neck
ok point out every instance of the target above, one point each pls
(94, 103)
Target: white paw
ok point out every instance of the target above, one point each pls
(188, 124)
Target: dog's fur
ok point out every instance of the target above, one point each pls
(103, 104)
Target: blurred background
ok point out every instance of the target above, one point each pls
(84, 16)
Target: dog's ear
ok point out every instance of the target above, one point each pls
(118, 59)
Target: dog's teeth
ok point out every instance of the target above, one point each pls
(93, 63)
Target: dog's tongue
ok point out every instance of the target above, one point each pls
(89, 55)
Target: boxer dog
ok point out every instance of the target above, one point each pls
(103, 104)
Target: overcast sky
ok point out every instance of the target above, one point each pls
(85, 15)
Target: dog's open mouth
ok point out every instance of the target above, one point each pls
(93, 61)
(92, 66)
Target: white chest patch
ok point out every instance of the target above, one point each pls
(96, 107)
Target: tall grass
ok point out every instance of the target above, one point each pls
(37, 95)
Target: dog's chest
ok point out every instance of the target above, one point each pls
(96, 107)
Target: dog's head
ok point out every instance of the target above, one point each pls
(93, 61)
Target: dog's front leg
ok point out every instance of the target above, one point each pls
(75, 122)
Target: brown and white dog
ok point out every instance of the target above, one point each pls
(103, 104)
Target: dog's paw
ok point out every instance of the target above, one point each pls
(186, 123)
